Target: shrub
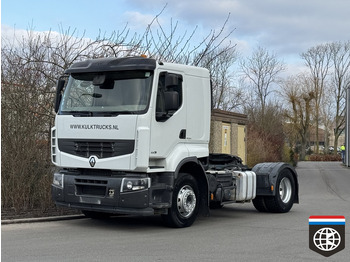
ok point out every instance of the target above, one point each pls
(321, 157)
(262, 148)
(265, 136)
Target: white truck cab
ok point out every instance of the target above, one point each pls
(131, 136)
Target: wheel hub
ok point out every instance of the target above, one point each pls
(186, 201)
(285, 190)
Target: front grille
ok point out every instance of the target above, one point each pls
(91, 181)
(53, 145)
(91, 190)
(99, 148)
(91, 187)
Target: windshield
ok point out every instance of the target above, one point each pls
(112, 93)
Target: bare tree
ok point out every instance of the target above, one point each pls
(225, 94)
(318, 60)
(26, 119)
(340, 58)
(171, 45)
(327, 115)
(261, 70)
(300, 96)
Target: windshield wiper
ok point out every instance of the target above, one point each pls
(115, 113)
(98, 113)
(79, 113)
(94, 95)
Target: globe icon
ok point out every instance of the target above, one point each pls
(327, 239)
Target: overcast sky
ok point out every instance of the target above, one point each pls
(284, 27)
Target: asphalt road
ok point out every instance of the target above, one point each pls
(235, 233)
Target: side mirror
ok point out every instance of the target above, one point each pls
(171, 100)
(171, 80)
(60, 84)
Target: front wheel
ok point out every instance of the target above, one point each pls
(185, 202)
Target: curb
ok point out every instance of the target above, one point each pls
(40, 219)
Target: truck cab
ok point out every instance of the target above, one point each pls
(126, 123)
(131, 136)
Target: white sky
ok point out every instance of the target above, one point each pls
(284, 27)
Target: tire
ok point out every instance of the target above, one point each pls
(259, 204)
(95, 215)
(185, 203)
(283, 201)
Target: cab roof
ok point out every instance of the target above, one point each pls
(132, 63)
(112, 64)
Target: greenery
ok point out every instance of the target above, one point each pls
(327, 157)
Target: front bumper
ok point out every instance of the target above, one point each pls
(101, 192)
(109, 209)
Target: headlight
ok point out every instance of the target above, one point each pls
(133, 184)
(58, 180)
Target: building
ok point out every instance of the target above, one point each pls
(228, 133)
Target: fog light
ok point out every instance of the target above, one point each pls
(58, 180)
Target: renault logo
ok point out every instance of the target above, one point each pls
(92, 161)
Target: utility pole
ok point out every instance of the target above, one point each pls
(347, 128)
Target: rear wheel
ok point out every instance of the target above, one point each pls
(259, 204)
(283, 200)
(185, 202)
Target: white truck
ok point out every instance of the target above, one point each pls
(131, 137)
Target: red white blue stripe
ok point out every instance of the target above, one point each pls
(326, 220)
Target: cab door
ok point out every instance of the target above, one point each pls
(168, 125)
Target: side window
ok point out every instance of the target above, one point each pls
(169, 95)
